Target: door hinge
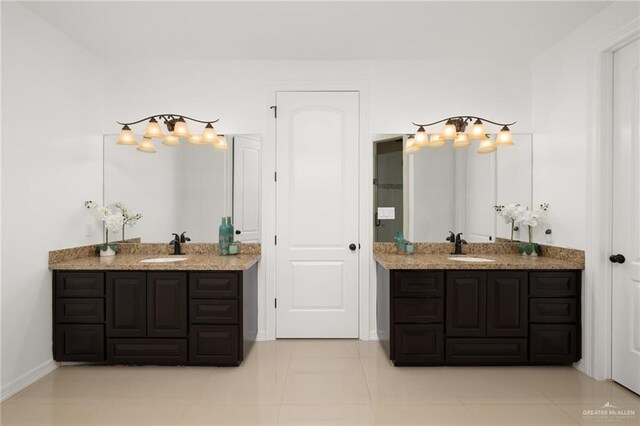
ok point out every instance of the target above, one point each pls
(275, 239)
(275, 176)
(275, 303)
(275, 110)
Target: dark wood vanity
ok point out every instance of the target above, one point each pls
(154, 316)
(479, 317)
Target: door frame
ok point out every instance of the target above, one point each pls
(365, 172)
(597, 294)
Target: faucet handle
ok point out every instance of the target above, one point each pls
(184, 238)
(451, 238)
(458, 237)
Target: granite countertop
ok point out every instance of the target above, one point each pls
(502, 262)
(130, 262)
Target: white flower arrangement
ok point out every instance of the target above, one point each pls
(112, 222)
(511, 214)
(128, 218)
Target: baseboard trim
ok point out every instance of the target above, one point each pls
(27, 379)
(373, 335)
(261, 336)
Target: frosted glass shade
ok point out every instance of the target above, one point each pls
(477, 131)
(195, 139)
(209, 134)
(486, 146)
(461, 141)
(504, 138)
(126, 137)
(153, 129)
(180, 129)
(436, 141)
(221, 144)
(449, 131)
(170, 140)
(146, 145)
(421, 137)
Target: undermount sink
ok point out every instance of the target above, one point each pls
(163, 260)
(472, 259)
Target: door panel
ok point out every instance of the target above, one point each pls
(126, 304)
(167, 304)
(247, 178)
(507, 305)
(466, 304)
(317, 214)
(626, 214)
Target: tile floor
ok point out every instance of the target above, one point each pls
(312, 382)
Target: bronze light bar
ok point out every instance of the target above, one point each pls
(454, 130)
(176, 124)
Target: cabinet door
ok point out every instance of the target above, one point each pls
(507, 305)
(79, 284)
(214, 344)
(418, 344)
(167, 304)
(213, 285)
(553, 344)
(126, 304)
(466, 304)
(79, 342)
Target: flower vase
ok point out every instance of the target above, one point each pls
(107, 251)
(223, 241)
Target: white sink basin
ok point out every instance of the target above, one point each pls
(163, 260)
(471, 259)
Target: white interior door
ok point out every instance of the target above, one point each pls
(626, 218)
(317, 136)
(246, 188)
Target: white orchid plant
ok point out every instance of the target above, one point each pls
(112, 222)
(128, 218)
(510, 213)
(517, 214)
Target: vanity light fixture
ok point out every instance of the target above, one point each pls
(454, 130)
(177, 128)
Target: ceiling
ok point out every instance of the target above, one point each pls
(383, 30)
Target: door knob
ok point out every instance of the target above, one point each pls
(238, 232)
(617, 258)
(352, 247)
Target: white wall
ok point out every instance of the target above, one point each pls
(561, 103)
(51, 161)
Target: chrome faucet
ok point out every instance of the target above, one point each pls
(457, 241)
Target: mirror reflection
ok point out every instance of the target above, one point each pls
(428, 193)
(186, 188)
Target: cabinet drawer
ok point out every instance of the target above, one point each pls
(214, 344)
(79, 311)
(79, 342)
(418, 310)
(211, 285)
(418, 283)
(209, 311)
(559, 310)
(79, 284)
(418, 344)
(553, 344)
(553, 284)
(147, 351)
(486, 351)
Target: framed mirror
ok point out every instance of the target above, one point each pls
(430, 192)
(187, 188)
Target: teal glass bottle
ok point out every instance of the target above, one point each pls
(223, 243)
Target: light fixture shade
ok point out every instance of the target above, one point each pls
(180, 129)
(170, 140)
(153, 129)
(221, 143)
(505, 137)
(209, 134)
(450, 131)
(127, 137)
(477, 130)
(411, 145)
(436, 141)
(421, 137)
(195, 139)
(146, 145)
(486, 145)
(461, 141)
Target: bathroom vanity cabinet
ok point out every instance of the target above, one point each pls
(154, 317)
(479, 317)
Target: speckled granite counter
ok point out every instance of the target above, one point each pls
(438, 261)
(131, 262)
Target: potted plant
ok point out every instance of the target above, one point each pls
(510, 213)
(128, 218)
(112, 222)
(532, 218)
